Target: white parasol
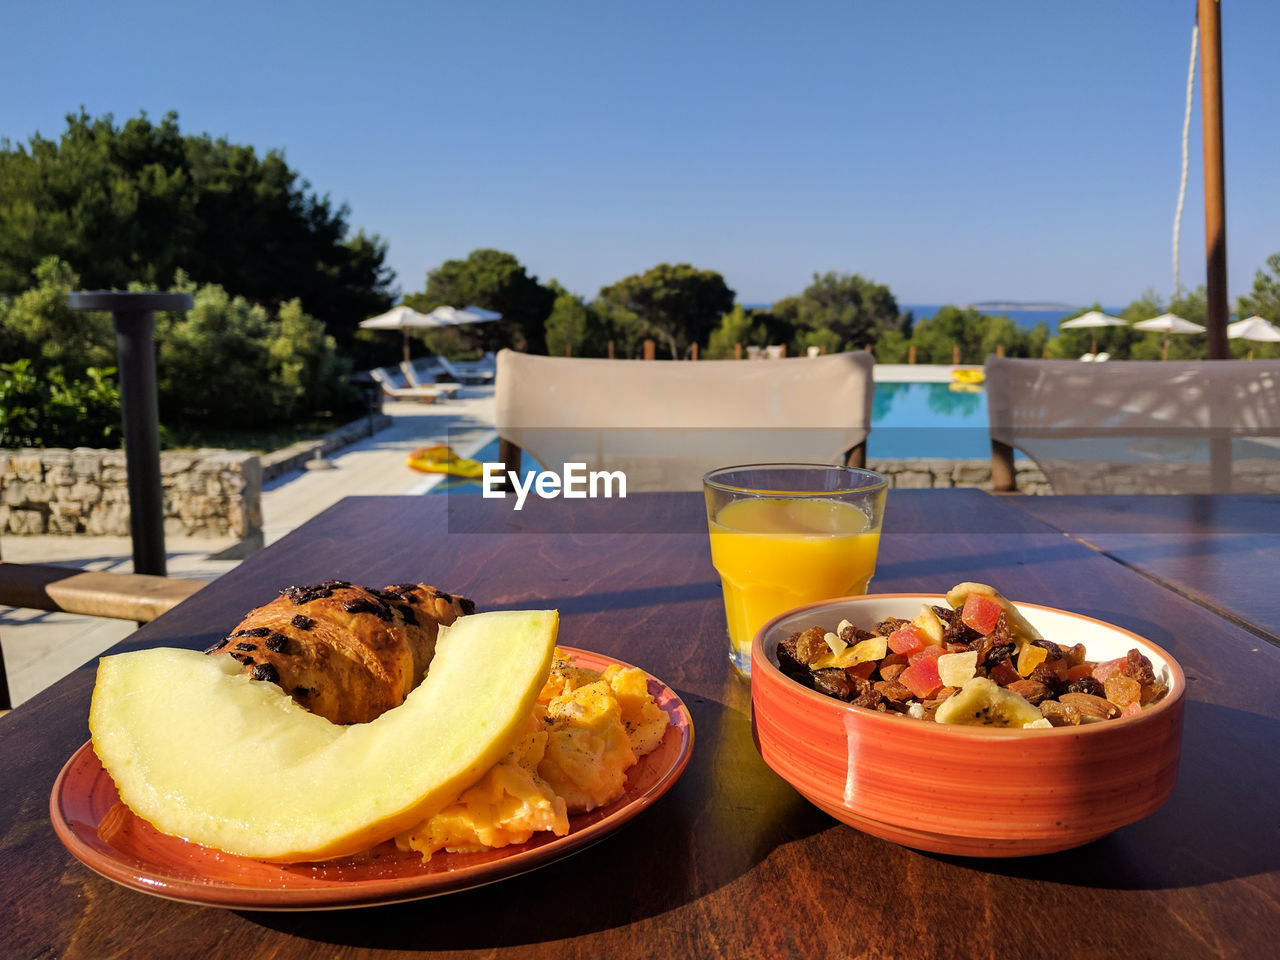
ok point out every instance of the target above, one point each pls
(1253, 328)
(457, 316)
(404, 319)
(1093, 319)
(1168, 323)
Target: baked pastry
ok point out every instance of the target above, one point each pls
(345, 652)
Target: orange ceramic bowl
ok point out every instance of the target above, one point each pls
(972, 791)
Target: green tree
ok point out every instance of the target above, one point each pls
(304, 364)
(937, 337)
(496, 281)
(855, 309)
(676, 303)
(1264, 299)
(38, 325)
(735, 328)
(130, 204)
(50, 411)
(574, 328)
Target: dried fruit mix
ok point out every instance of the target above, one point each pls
(978, 661)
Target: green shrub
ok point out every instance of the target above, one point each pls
(52, 411)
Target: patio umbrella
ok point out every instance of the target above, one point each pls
(1093, 319)
(1167, 324)
(457, 316)
(400, 318)
(1253, 328)
(404, 319)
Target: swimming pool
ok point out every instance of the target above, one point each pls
(947, 421)
(935, 420)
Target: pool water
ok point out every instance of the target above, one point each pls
(942, 420)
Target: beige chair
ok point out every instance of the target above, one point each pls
(665, 423)
(1200, 426)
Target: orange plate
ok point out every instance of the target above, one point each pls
(142, 858)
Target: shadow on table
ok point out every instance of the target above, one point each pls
(1219, 824)
(727, 813)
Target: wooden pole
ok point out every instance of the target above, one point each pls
(955, 354)
(649, 349)
(737, 351)
(694, 355)
(911, 353)
(610, 349)
(1209, 14)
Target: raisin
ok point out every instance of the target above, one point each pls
(792, 665)
(277, 642)
(255, 632)
(407, 613)
(834, 683)
(216, 647)
(1087, 685)
(1045, 674)
(265, 671)
(441, 595)
(245, 645)
(1055, 651)
(1137, 667)
(302, 622)
(872, 699)
(812, 645)
(888, 625)
(467, 606)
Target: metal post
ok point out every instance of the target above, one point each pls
(1209, 15)
(133, 315)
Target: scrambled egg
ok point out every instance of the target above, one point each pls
(587, 730)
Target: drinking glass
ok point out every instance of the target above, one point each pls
(785, 534)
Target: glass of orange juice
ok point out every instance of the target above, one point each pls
(785, 534)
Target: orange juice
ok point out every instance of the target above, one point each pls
(773, 554)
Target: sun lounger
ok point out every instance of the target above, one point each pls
(471, 371)
(425, 379)
(384, 377)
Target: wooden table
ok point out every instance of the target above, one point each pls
(1221, 551)
(732, 862)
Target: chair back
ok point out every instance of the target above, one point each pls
(1199, 426)
(665, 423)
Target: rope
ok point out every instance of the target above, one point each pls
(1182, 187)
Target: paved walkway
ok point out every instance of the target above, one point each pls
(42, 647)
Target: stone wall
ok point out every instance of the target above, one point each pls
(210, 493)
(928, 473)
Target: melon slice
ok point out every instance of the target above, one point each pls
(205, 753)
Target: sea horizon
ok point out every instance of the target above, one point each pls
(1024, 313)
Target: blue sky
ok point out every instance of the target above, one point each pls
(954, 151)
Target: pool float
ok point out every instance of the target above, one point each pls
(440, 458)
(968, 376)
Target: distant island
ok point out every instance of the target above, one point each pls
(987, 305)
